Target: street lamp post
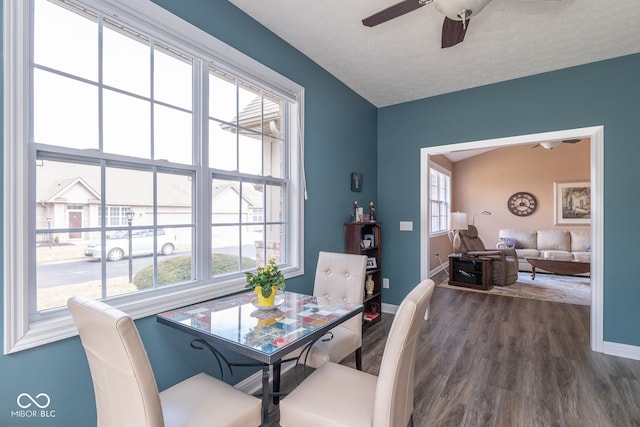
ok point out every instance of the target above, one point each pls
(49, 227)
(130, 214)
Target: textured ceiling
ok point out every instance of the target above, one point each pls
(401, 60)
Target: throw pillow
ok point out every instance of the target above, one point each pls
(512, 243)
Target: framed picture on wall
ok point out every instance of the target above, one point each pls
(572, 203)
(356, 181)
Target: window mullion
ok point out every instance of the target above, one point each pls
(202, 193)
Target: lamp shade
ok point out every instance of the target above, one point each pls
(459, 221)
(451, 8)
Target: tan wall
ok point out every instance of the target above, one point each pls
(486, 181)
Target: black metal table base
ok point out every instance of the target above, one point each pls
(200, 344)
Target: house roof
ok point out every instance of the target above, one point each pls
(251, 115)
(124, 187)
(249, 194)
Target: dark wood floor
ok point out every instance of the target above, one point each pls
(486, 360)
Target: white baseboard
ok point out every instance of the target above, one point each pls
(253, 383)
(392, 308)
(621, 350)
(389, 308)
(438, 269)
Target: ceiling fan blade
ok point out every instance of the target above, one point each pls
(453, 32)
(571, 141)
(535, 146)
(394, 11)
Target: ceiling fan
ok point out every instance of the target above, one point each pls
(456, 12)
(550, 145)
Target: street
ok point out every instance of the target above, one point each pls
(88, 270)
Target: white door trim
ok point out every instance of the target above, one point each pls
(596, 135)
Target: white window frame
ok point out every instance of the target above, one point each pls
(21, 332)
(447, 173)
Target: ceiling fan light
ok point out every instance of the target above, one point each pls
(550, 145)
(454, 9)
(465, 14)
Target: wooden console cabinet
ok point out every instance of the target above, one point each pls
(470, 272)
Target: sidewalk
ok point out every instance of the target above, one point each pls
(60, 252)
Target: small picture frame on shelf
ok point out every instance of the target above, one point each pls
(371, 263)
(370, 237)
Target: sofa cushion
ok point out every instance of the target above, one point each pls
(557, 240)
(582, 256)
(525, 238)
(557, 255)
(580, 241)
(523, 254)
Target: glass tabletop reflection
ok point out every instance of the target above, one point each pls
(262, 334)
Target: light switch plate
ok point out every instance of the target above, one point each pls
(385, 283)
(406, 225)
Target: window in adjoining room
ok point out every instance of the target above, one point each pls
(440, 188)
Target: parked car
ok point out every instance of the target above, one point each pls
(142, 244)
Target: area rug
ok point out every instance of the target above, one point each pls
(546, 287)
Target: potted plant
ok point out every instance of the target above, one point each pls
(265, 282)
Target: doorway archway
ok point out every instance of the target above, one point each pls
(596, 135)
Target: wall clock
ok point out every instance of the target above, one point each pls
(522, 203)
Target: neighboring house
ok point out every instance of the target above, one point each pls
(72, 203)
(225, 203)
(65, 203)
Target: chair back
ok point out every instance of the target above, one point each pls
(470, 241)
(341, 277)
(125, 389)
(393, 405)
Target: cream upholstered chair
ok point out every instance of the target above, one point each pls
(336, 395)
(339, 277)
(126, 390)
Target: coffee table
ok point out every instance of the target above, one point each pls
(558, 266)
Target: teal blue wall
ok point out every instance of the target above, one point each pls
(604, 93)
(340, 138)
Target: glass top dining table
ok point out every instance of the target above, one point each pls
(236, 323)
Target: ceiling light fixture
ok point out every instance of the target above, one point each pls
(550, 145)
(460, 10)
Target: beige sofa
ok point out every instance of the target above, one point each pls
(556, 244)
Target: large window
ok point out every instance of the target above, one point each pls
(440, 187)
(149, 168)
